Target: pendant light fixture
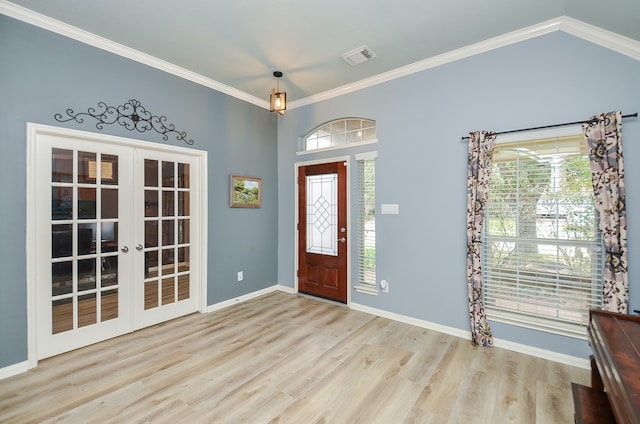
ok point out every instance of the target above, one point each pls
(278, 99)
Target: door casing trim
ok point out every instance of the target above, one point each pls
(347, 161)
(33, 131)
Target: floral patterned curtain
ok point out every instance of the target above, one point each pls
(603, 134)
(481, 144)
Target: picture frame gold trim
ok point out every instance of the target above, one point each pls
(245, 192)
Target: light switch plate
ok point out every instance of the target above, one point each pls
(389, 208)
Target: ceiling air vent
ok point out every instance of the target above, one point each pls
(358, 56)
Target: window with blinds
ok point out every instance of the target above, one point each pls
(366, 237)
(542, 254)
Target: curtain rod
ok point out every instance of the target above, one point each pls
(632, 115)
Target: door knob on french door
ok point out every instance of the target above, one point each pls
(139, 247)
(342, 240)
(124, 249)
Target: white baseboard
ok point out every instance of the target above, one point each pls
(550, 355)
(285, 289)
(503, 344)
(248, 296)
(14, 369)
(413, 321)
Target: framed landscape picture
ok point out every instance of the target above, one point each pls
(245, 192)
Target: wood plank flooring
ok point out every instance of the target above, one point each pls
(283, 358)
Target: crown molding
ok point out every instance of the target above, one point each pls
(58, 27)
(596, 35)
(591, 33)
(610, 40)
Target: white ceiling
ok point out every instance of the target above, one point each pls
(239, 43)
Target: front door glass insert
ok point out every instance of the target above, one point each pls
(322, 214)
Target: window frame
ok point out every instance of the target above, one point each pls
(364, 283)
(529, 320)
(304, 140)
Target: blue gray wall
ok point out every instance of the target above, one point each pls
(421, 163)
(42, 74)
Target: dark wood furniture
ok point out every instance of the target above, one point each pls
(614, 395)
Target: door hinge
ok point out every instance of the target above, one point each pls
(297, 273)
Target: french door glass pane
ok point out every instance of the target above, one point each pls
(86, 274)
(109, 207)
(151, 173)
(61, 240)
(109, 271)
(62, 315)
(150, 203)
(109, 233)
(183, 259)
(86, 203)
(322, 214)
(183, 287)
(168, 174)
(87, 310)
(168, 238)
(183, 231)
(164, 277)
(109, 170)
(61, 278)
(168, 262)
(109, 305)
(151, 264)
(168, 291)
(183, 203)
(87, 167)
(150, 294)
(167, 203)
(183, 175)
(84, 237)
(151, 233)
(61, 203)
(85, 242)
(62, 166)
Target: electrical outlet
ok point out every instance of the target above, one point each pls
(384, 285)
(240, 275)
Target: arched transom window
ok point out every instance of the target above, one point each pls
(341, 132)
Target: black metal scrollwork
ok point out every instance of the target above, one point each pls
(131, 115)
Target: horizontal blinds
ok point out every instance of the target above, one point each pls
(367, 223)
(542, 254)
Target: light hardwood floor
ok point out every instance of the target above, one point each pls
(284, 358)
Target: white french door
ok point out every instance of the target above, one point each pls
(114, 241)
(165, 286)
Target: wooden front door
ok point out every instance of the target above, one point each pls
(322, 231)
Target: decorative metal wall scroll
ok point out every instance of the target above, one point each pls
(131, 115)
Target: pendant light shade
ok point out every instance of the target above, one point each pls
(278, 99)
